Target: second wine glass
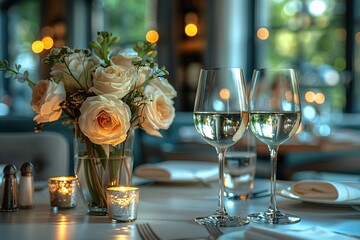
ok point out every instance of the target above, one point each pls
(275, 116)
(220, 117)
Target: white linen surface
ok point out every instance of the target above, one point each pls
(174, 170)
(313, 233)
(327, 190)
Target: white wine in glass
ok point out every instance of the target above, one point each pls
(275, 115)
(220, 117)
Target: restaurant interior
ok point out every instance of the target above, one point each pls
(318, 38)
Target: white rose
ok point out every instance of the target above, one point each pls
(158, 113)
(125, 59)
(115, 80)
(46, 98)
(164, 85)
(105, 119)
(76, 72)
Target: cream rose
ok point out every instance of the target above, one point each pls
(105, 119)
(158, 113)
(46, 98)
(125, 60)
(164, 85)
(76, 72)
(115, 80)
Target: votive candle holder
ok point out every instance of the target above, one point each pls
(63, 192)
(122, 203)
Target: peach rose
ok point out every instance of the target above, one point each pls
(46, 98)
(105, 119)
(158, 113)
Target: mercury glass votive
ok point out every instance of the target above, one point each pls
(122, 203)
(63, 192)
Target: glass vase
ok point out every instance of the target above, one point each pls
(98, 167)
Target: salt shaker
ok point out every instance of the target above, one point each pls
(26, 187)
(9, 190)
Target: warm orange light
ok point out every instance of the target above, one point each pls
(263, 33)
(310, 96)
(48, 42)
(357, 37)
(191, 30)
(152, 36)
(37, 46)
(319, 98)
(288, 95)
(225, 93)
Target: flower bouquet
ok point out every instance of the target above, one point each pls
(104, 94)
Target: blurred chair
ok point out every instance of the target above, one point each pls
(48, 151)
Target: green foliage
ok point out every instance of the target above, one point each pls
(58, 55)
(102, 47)
(16, 72)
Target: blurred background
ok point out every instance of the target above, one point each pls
(320, 38)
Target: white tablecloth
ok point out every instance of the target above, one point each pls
(170, 210)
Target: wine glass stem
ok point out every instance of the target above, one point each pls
(273, 161)
(221, 205)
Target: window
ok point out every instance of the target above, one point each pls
(309, 35)
(128, 19)
(23, 26)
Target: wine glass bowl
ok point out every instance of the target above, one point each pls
(220, 117)
(274, 117)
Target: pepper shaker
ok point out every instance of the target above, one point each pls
(26, 187)
(9, 190)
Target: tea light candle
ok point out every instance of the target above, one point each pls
(62, 192)
(122, 203)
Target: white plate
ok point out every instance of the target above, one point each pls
(285, 191)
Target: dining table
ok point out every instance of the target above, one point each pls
(170, 209)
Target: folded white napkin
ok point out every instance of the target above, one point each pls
(313, 233)
(327, 190)
(178, 171)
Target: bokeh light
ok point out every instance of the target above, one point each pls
(37, 46)
(319, 98)
(48, 42)
(357, 37)
(191, 30)
(263, 33)
(310, 96)
(152, 36)
(317, 7)
(224, 94)
(309, 112)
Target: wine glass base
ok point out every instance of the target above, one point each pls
(273, 218)
(223, 221)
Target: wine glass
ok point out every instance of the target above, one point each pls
(275, 115)
(220, 117)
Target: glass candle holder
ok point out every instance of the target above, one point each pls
(63, 192)
(122, 203)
